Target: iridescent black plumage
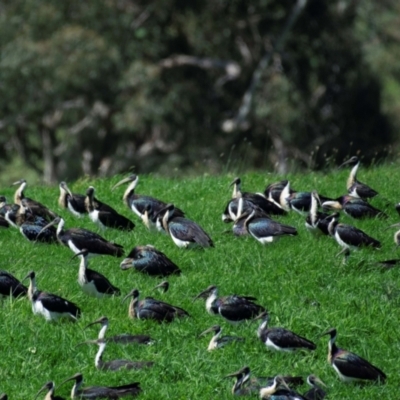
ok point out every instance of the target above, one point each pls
(124, 338)
(317, 222)
(150, 308)
(92, 282)
(139, 204)
(233, 308)
(32, 227)
(183, 231)
(264, 229)
(349, 237)
(270, 207)
(74, 202)
(149, 260)
(101, 392)
(354, 186)
(78, 239)
(247, 385)
(354, 207)
(34, 206)
(11, 286)
(349, 366)
(50, 306)
(114, 365)
(316, 392)
(281, 339)
(104, 215)
(297, 201)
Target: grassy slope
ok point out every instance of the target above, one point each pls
(298, 279)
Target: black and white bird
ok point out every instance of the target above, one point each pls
(233, 308)
(351, 238)
(147, 259)
(114, 365)
(78, 239)
(34, 206)
(101, 392)
(218, 341)
(104, 215)
(124, 338)
(141, 204)
(184, 232)
(93, 283)
(281, 339)
(150, 308)
(73, 202)
(355, 187)
(349, 366)
(316, 392)
(11, 286)
(50, 387)
(50, 306)
(279, 390)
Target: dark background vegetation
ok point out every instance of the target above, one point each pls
(107, 86)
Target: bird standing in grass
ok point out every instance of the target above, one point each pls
(349, 366)
(124, 338)
(184, 232)
(150, 308)
(50, 306)
(217, 340)
(101, 392)
(147, 259)
(11, 286)
(74, 202)
(114, 365)
(281, 339)
(78, 239)
(350, 238)
(104, 215)
(233, 308)
(94, 283)
(355, 187)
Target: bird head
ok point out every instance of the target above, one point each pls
(351, 161)
(131, 178)
(331, 332)
(78, 378)
(163, 285)
(133, 293)
(30, 275)
(214, 328)
(206, 293)
(102, 320)
(47, 386)
(313, 380)
(63, 187)
(21, 181)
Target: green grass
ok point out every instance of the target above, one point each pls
(298, 279)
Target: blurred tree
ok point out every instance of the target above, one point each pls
(100, 87)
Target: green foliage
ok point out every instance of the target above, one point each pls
(298, 279)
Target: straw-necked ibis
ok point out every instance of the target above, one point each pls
(78, 239)
(150, 308)
(349, 366)
(233, 308)
(50, 306)
(73, 202)
(149, 260)
(217, 340)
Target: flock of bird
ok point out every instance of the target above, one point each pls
(250, 213)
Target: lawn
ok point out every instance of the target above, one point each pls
(298, 279)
